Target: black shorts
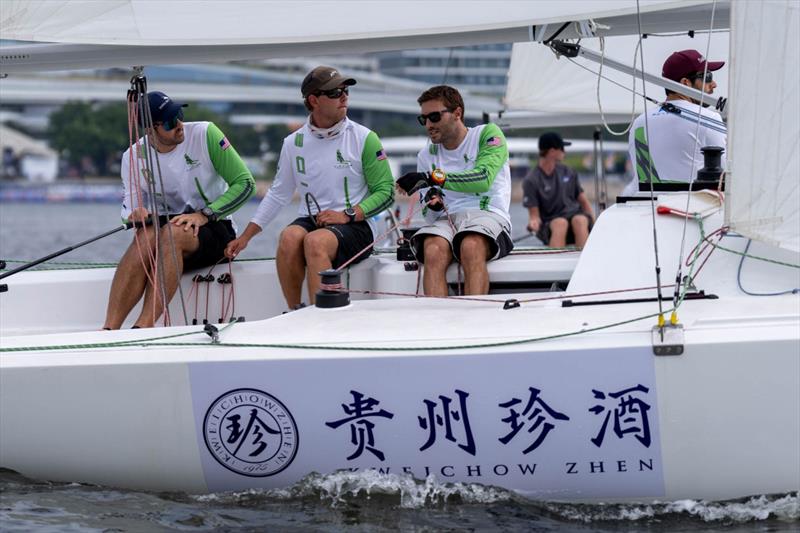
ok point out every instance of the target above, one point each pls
(352, 238)
(213, 237)
(544, 230)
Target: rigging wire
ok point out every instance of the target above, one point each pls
(679, 272)
(649, 174)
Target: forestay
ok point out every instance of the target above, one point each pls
(764, 191)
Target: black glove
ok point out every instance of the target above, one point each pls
(434, 192)
(411, 182)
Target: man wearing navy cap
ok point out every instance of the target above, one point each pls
(558, 210)
(202, 181)
(669, 149)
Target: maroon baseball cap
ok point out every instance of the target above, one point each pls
(681, 64)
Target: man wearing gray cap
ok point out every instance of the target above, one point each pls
(340, 169)
(202, 181)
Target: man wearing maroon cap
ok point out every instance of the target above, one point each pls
(664, 144)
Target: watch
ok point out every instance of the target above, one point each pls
(351, 214)
(209, 213)
(438, 176)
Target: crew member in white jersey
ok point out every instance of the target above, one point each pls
(341, 171)
(204, 181)
(670, 148)
(465, 187)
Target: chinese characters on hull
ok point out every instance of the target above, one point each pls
(361, 434)
(630, 414)
(541, 416)
(441, 415)
(448, 418)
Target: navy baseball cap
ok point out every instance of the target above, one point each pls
(162, 107)
(551, 139)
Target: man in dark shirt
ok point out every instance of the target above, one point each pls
(558, 209)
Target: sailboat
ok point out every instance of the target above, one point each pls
(610, 390)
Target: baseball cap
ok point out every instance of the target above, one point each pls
(162, 107)
(681, 64)
(323, 79)
(551, 139)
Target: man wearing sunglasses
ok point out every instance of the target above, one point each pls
(665, 144)
(340, 169)
(464, 183)
(202, 181)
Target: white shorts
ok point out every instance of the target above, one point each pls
(487, 223)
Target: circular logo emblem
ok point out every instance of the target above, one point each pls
(251, 433)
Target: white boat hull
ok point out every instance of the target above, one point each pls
(557, 403)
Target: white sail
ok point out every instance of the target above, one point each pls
(135, 32)
(540, 82)
(763, 199)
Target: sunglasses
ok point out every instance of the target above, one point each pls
(173, 122)
(335, 93)
(434, 117)
(699, 75)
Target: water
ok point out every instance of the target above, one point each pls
(364, 501)
(32, 230)
(345, 501)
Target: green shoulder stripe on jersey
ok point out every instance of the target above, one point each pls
(484, 205)
(378, 176)
(201, 191)
(645, 168)
(231, 168)
(492, 155)
(298, 140)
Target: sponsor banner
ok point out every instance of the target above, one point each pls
(574, 424)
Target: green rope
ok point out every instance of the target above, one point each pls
(149, 342)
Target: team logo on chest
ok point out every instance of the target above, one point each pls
(341, 162)
(191, 163)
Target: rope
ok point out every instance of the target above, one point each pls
(679, 272)
(633, 90)
(150, 343)
(649, 175)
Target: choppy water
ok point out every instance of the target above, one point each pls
(364, 501)
(345, 501)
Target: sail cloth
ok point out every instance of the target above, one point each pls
(763, 198)
(550, 87)
(93, 34)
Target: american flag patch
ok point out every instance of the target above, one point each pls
(224, 143)
(493, 141)
(380, 155)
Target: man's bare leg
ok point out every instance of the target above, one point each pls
(438, 257)
(130, 279)
(558, 232)
(474, 254)
(580, 228)
(185, 244)
(291, 264)
(319, 248)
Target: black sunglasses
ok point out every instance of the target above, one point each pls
(434, 117)
(699, 75)
(173, 122)
(335, 93)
